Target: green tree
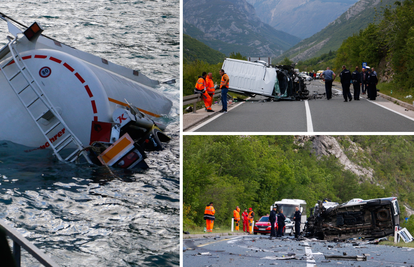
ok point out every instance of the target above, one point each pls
(237, 55)
(286, 61)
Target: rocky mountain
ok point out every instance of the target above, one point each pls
(331, 37)
(302, 18)
(325, 145)
(233, 26)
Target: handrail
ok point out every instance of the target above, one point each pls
(194, 99)
(20, 241)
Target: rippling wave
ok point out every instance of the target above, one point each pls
(81, 215)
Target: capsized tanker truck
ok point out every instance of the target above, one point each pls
(53, 96)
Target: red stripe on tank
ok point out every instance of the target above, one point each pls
(68, 67)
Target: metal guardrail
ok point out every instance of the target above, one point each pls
(19, 242)
(194, 99)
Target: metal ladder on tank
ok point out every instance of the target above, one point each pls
(47, 108)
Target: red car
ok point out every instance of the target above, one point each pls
(262, 226)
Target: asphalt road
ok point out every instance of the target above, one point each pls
(260, 251)
(317, 115)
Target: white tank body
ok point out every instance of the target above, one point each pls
(81, 92)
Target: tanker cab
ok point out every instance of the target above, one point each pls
(122, 142)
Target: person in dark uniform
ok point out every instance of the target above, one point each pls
(356, 81)
(272, 220)
(346, 83)
(364, 81)
(280, 223)
(297, 217)
(367, 83)
(372, 88)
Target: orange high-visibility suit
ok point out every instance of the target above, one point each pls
(251, 218)
(210, 89)
(245, 216)
(236, 216)
(209, 217)
(200, 88)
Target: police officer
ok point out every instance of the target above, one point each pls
(280, 223)
(372, 88)
(297, 217)
(346, 83)
(272, 220)
(356, 81)
(364, 81)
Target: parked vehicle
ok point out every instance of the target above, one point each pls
(319, 74)
(263, 226)
(288, 206)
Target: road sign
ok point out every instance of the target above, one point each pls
(364, 65)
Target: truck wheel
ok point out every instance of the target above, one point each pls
(383, 215)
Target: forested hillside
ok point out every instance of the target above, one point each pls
(388, 45)
(255, 171)
(196, 50)
(358, 17)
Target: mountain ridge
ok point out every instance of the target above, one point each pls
(302, 18)
(356, 18)
(226, 25)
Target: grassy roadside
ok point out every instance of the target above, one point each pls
(392, 90)
(216, 229)
(390, 242)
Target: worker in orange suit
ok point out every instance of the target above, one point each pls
(245, 217)
(251, 220)
(201, 88)
(236, 216)
(210, 87)
(209, 217)
(224, 86)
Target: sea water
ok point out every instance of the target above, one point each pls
(86, 216)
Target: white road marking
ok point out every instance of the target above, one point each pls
(405, 116)
(233, 240)
(309, 124)
(310, 261)
(212, 119)
(218, 241)
(378, 104)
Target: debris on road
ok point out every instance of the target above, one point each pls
(344, 257)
